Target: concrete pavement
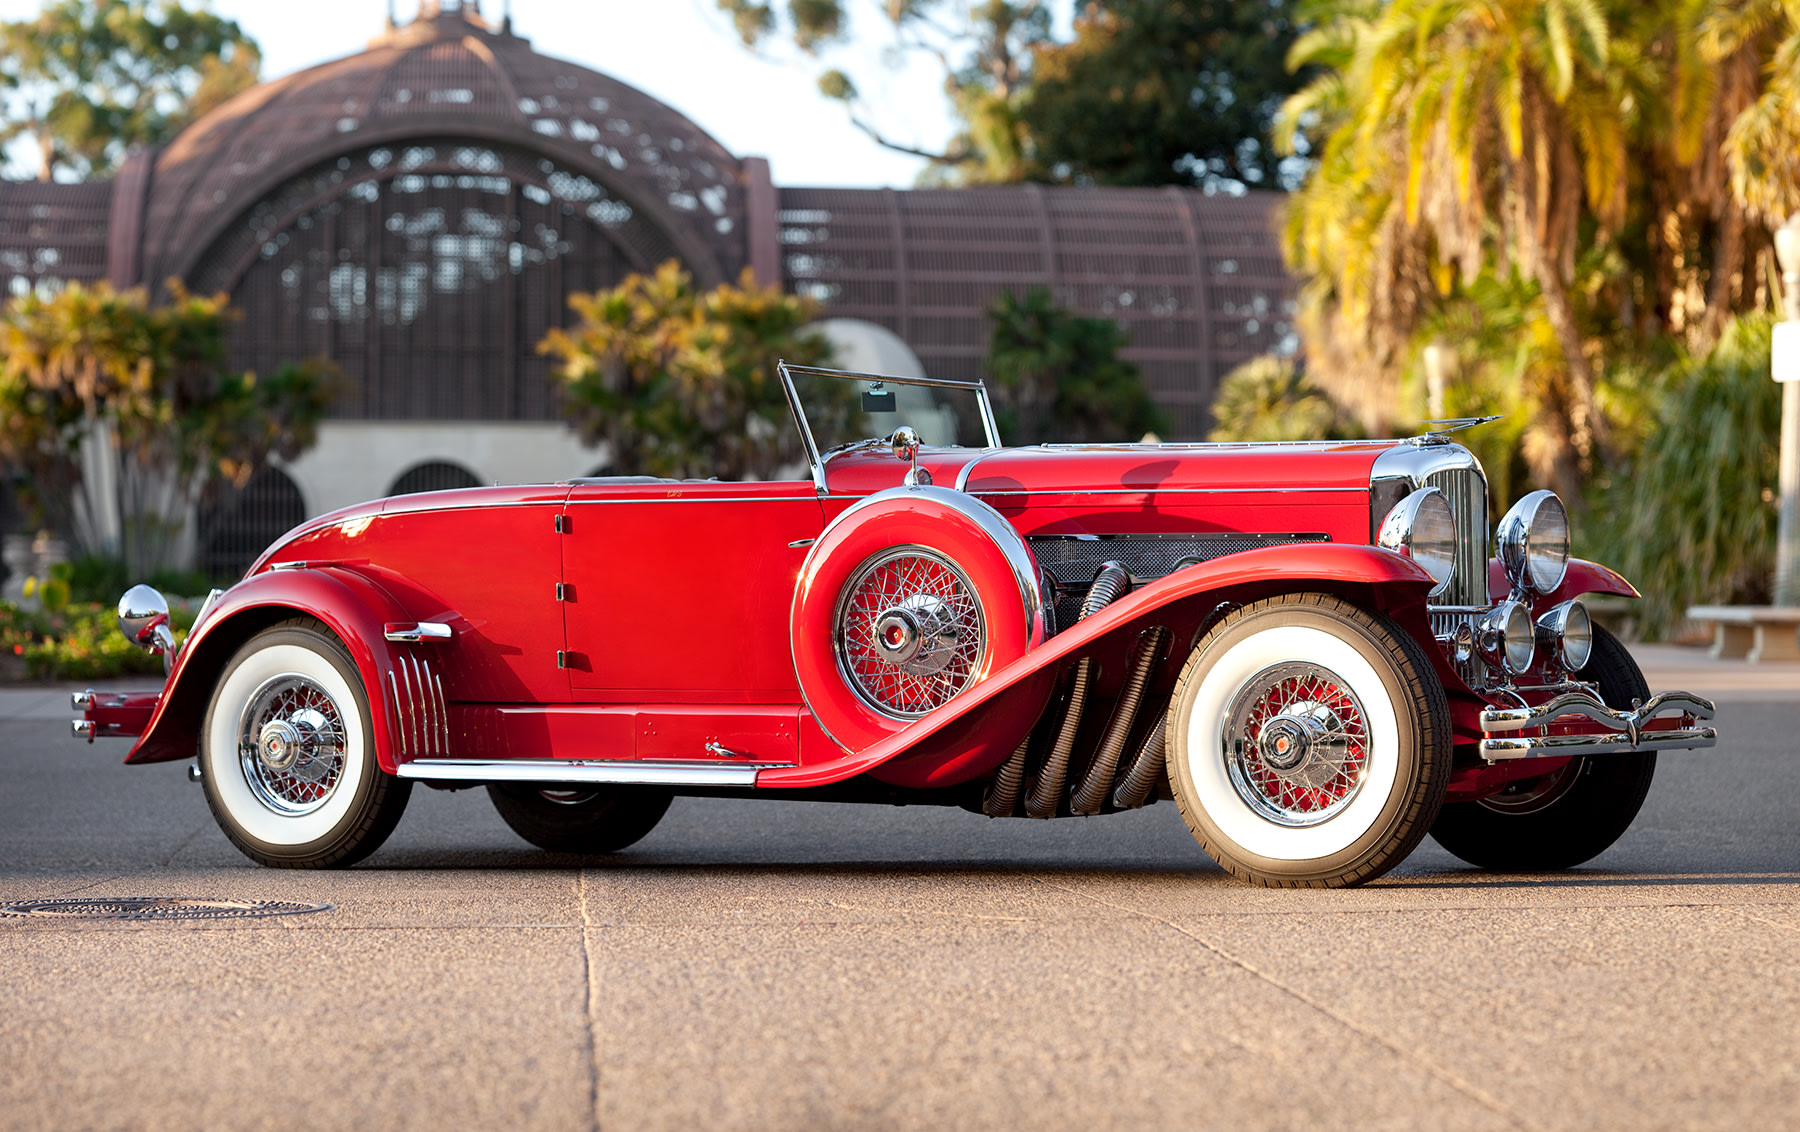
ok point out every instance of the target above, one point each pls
(795, 965)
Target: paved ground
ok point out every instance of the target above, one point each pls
(800, 965)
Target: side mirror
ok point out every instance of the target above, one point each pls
(144, 619)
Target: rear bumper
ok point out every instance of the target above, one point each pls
(1578, 723)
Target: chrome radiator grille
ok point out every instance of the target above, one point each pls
(1466, 491)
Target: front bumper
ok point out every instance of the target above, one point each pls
(112, 714)
(1564, 725)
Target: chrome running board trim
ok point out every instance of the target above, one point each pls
(647, 773)
(1626, 730)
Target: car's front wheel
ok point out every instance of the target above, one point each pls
(1309, 743)
(580, 819)
(287, 753)
(1571, 814)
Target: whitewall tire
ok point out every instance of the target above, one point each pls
(1309, 742)
(288, 757)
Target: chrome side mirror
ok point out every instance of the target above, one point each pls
(905, 443)
(144, 619)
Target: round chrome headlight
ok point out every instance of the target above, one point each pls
(1533, 541)
(1568, 630)
(1507, 637)
(1421, 527)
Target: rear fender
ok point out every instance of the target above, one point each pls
(351, 605)
(930, 753)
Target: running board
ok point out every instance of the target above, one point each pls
(666, 772)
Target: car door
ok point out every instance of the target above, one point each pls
(678, 591)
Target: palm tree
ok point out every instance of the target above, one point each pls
(1496, 126)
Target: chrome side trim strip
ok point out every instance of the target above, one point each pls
(624, 772)
(1625, 728)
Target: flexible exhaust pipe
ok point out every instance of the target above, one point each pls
(1089, 797)
(1041, 801)
(1146, 769)
(1003, 793)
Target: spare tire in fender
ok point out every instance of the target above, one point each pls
(907, 599)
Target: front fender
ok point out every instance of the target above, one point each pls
(1582, 577)
(932, 752)
(350, 604)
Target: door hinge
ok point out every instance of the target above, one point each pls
(562, 524)
(562, 659)
(562, 592)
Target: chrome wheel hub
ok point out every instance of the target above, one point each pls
(920, 635)
(909, 632)
(1295, 744)
(292, 745)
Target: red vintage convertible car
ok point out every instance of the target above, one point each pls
(1305, 646)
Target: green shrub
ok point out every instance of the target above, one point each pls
(81, 641)
(1692, 520)
(97, 579)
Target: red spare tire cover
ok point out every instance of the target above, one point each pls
(909, 598)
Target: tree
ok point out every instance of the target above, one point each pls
(680, 382)
(1059, 378)
(985, 55)
(95, 377)
(88, 79)
(1160, 92)
(1270, 399)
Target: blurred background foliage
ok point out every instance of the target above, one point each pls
(681, 382)
(1057, 377)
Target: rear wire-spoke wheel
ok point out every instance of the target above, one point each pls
(1571, 814)
(1309, 743)
(909, 632)
(288, 756)
(579, 819)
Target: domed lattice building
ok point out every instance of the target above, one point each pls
(421, 211)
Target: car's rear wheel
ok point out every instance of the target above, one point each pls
(287, 753)
(1572, 814)
(1309, 743)
(580, 819)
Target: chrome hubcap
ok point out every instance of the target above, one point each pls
(910, 634)
(1296, 744)
(292, 745)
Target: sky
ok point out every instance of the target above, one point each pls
(682, 52)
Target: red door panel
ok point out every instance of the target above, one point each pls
(678, 592)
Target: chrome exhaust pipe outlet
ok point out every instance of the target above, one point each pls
(1045, 794)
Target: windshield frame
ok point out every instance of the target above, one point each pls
(813, 456)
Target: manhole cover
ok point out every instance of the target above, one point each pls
(150, 908)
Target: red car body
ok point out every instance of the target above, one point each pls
(656, 631)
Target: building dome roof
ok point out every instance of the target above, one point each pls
(446, 74)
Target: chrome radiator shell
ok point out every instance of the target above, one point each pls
(1454, 471)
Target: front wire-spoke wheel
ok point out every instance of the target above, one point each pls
(1310, 743)
(287, 754)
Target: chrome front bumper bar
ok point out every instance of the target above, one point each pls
(1625, 730)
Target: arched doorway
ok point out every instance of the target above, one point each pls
(236, 531)
(434, 475)
(428, 270)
